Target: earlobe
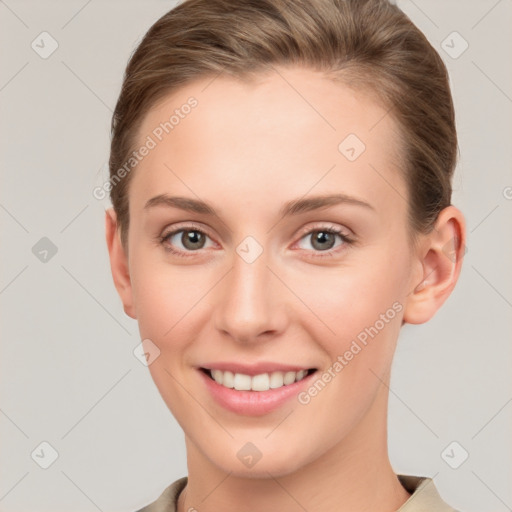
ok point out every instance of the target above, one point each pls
(119, 263)
(441, 261)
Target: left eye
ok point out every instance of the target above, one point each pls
(323, 239)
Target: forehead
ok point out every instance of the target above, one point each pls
(291, 129)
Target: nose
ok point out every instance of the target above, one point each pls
(251, 305)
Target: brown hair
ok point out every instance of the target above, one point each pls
(368, 43)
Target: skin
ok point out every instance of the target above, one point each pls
(247, 148)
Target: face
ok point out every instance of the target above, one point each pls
(269, 280)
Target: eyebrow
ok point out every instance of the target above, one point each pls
(293, 207)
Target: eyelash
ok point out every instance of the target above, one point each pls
(347, 240)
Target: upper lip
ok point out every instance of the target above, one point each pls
(255, 368)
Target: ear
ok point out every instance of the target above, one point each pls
(119, 262)
(440, 257)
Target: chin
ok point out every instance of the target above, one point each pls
(268, 465)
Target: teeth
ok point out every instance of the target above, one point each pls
(261, 382)
(242, 382)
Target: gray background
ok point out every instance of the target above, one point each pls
(68, 373)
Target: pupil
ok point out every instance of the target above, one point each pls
(192, 237)
(322, 237)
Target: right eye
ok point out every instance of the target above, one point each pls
(191, 238)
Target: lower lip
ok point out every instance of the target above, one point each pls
(253, 403)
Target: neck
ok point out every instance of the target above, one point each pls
(355, 475)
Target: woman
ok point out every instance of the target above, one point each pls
(247, 135)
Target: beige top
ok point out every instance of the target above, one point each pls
(424, 496)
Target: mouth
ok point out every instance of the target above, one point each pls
(259, 383)
(255, 395)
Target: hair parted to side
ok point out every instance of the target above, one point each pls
(369, 44)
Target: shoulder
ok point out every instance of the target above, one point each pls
(424, 495)
(167, 501)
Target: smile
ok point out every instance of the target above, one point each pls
(260, 382)
(253, 395)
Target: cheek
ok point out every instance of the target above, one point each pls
(340, 303)
(355, 312)
(165, 296)
(170, 304)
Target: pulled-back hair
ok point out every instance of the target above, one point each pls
(369, 44)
